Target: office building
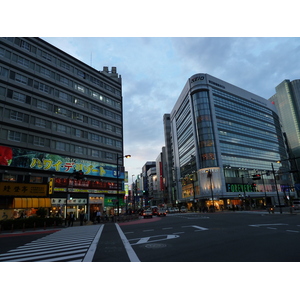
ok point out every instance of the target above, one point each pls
(221, 136)
(287, 102)
(61, 131)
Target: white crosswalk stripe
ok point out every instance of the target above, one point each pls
(69, 244)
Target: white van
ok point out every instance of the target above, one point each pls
(296, 204)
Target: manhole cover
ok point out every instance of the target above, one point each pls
(155, 246)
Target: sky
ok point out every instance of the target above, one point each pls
(154, 71)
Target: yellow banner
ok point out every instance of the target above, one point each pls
(22, 189)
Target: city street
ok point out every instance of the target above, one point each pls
(186, 237)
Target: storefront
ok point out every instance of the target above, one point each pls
(74, 205)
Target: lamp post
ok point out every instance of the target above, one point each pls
(273, 171)
(209, 174)
(119, 157)
(133, 199)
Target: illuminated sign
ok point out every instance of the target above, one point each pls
(30, 159)
(22, 189)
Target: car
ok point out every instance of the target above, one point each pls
(296, 204)
(161, 213)
(170, 210)
(147, 213)
(183, 209)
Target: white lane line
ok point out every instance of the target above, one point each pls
(271, 228)
(167, 228)
(131, 254)
(148, 230)
(293, 231)
(90, 253)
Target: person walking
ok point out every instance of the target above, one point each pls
(98, 216)
(71, 219)
(81, 217)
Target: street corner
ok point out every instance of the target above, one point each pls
(140, 221)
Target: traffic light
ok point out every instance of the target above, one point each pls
(256, 177)
(78, 174)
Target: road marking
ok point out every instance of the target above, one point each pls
(259, 225)
(167, 228)
(148, 230)
(152, 239)
(293, 231)
(131, 254)
(271, 228)
(178, 232)
(198, 227)
(91, 251)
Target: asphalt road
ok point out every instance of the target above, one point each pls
(219, 237)
(212, 237)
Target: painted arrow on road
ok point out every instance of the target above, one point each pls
(152, 239)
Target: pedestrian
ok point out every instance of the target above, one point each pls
(71, 219)
(81, 218)
(98, 216)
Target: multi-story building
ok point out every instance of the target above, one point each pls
(287, 102)
(61, 131)
(221, 136)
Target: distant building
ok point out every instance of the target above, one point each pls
(58, 116)
(287, 102)
(220, 136)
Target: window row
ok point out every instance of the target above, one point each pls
(44, 105)
(45, 88)
(21, 117)
(55, 60)
(15, 136)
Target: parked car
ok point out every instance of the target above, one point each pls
(296, 204)
(170, 210)
(183, 209)
(147, 213)
(161, 213)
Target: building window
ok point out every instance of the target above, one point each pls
(61, 128)
(61, 146)
(42, 105)
(9, 177)
(21, 79)
(16, 116)
(14, 136)
(39, 141)
(79, 88)
(95, 153)
(40, 122)
(79, 102)
(78, 150)
(19, 97)
(78, 133)
(46, 56)
(25, 46)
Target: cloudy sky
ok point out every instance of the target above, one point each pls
(157, 47)
(155, 69)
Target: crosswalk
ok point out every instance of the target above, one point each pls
(72, 244)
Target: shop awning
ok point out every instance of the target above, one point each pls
(32, 202)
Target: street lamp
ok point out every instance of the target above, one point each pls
(209, 174)
(273, 171)
(132, 191)
(119, 157)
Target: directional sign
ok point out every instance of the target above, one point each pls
(152, 239)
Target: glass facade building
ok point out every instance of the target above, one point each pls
(221, 137)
